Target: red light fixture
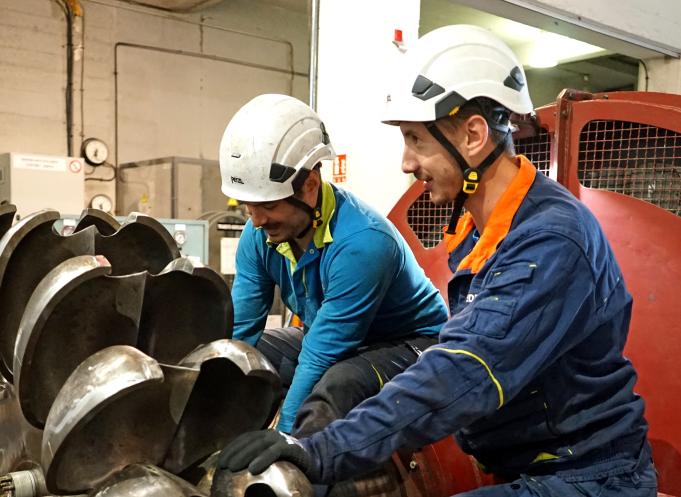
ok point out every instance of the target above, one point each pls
(398, 40)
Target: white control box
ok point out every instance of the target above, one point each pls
(36, 182)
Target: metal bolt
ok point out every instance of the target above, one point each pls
(6, 486)
(28, 483)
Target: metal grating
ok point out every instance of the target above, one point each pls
(634, 159)
(427, 220)
(537, 149)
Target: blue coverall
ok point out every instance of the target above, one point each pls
(529, 373)
(356, 284)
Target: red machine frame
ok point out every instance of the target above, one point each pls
(647, 242)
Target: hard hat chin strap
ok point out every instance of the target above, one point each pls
(471, 176)
(280, 173)
(315, 212)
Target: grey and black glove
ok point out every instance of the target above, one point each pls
(258, 450)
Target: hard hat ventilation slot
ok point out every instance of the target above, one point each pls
(445, 106)
(280, 173)
(515, 80)
(425, 89)
(325, 136)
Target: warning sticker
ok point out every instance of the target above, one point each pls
(40, 162)
(339, 168)
(75, 166)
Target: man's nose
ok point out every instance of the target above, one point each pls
(409, 164)
(258, 217)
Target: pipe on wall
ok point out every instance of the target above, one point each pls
(118, 45)
(179, 6)
(68, 11)
(314, 51)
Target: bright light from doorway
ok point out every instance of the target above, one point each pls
(538, 48)
(549, 49)
(545, 49)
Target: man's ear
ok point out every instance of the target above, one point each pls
(313, 181)
(477, 135)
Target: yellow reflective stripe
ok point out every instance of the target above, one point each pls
(380, 380)
(322, 234)
(286, 250)
(544, 456)
(481, 361)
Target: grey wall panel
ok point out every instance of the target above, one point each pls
(172, 104)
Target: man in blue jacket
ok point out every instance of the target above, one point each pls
(529, 373)
(367, 307)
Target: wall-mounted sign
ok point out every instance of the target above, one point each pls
(339, 163)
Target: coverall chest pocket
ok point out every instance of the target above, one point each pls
(493, 308)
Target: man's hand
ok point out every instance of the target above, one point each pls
(257, 450)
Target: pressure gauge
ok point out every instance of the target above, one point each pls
(94, 151)
(180, 234)
(101, 202)
(180, 237)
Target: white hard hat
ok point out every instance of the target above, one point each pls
(451, 65)
(268, 142)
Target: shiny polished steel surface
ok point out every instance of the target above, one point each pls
(75, 311)
(78, 309)
(109, 413)
(282, 479)
(203, 473)
(28, 251)
(31, 248)
(237, 390)
(249, 359)
(185, 305)
(105, 223)
(7, 213)
(19, 442)
(141, 244)
(139, 480)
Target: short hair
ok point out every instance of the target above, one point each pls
(302, 176)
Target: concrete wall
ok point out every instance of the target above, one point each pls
(630, 27)
(155, 84)
(654, 20)
(356, 54)
(664, 75)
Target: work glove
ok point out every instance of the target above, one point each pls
(258, 450)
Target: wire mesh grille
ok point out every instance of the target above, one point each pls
(634, 159)
(427, 220)
(537, 149)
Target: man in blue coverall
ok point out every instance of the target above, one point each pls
(529, 373)
(367, 307)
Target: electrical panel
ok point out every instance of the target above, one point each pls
(170, 187)
(190, 235)
(36, 182)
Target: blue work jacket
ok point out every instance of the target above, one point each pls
(357, 283)
(529, 373)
